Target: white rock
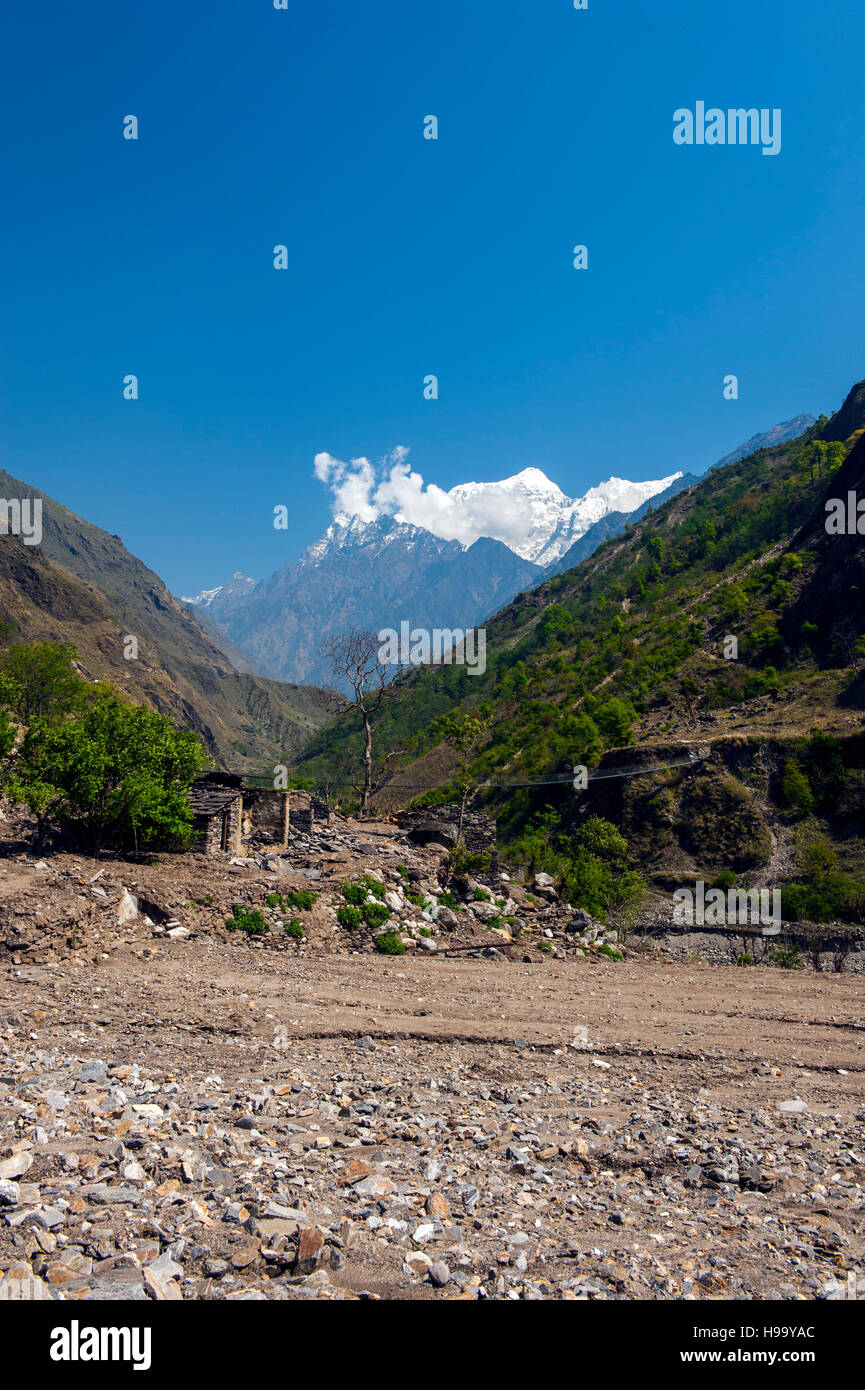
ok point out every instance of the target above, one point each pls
(127, 908)
(16, 1166)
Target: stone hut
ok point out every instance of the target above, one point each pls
(217, 809)
(232, 818)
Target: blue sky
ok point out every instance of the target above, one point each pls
(407, 256)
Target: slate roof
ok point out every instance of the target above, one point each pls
(210, 799)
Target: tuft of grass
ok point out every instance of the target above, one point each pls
(349, 916)
(610, 951)
(448, 900)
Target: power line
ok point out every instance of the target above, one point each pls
(561, 779)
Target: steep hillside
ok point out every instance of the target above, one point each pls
(728, 610)
(82, 586)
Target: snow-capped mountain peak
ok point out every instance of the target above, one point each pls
(532, 516)
(239, 583)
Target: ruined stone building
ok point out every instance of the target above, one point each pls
(232, 819)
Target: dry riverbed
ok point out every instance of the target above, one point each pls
(220, 1122)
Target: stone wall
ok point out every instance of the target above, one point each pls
(479, 830)
(265, 815)
(208, 830)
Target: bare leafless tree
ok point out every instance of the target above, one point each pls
(354, 661)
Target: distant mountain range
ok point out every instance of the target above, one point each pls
(378, 573)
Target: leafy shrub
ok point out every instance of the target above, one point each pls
(246, 919)
(354, 893)
(275, 900)
(745, 958)
(375, 914)
(610, 951)
(424, 931)
(482, 896)
(293, 928)
(796, 789)
(448, 900)
(374, 887)
(301, 898)
(390, 943)
(349, 916)
(415, 898)
(726, 879)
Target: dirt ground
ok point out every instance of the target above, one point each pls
(560, 1129)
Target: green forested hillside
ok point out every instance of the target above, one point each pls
(728, 610)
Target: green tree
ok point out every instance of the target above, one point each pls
(463, 733)
(117, 772)
(615, 719)
(597, 876)
(39, 680)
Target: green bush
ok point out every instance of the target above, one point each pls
(354, 893)
(374, 887)
(390, 943)
(726, 879)
(301, 898)
(375, 914)
(481, 895)
(745, 958)
(246, 919)
(610, 951)
(448, 900)
(796, 789)
(424, 931)
(349, 916)
(293, 928)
